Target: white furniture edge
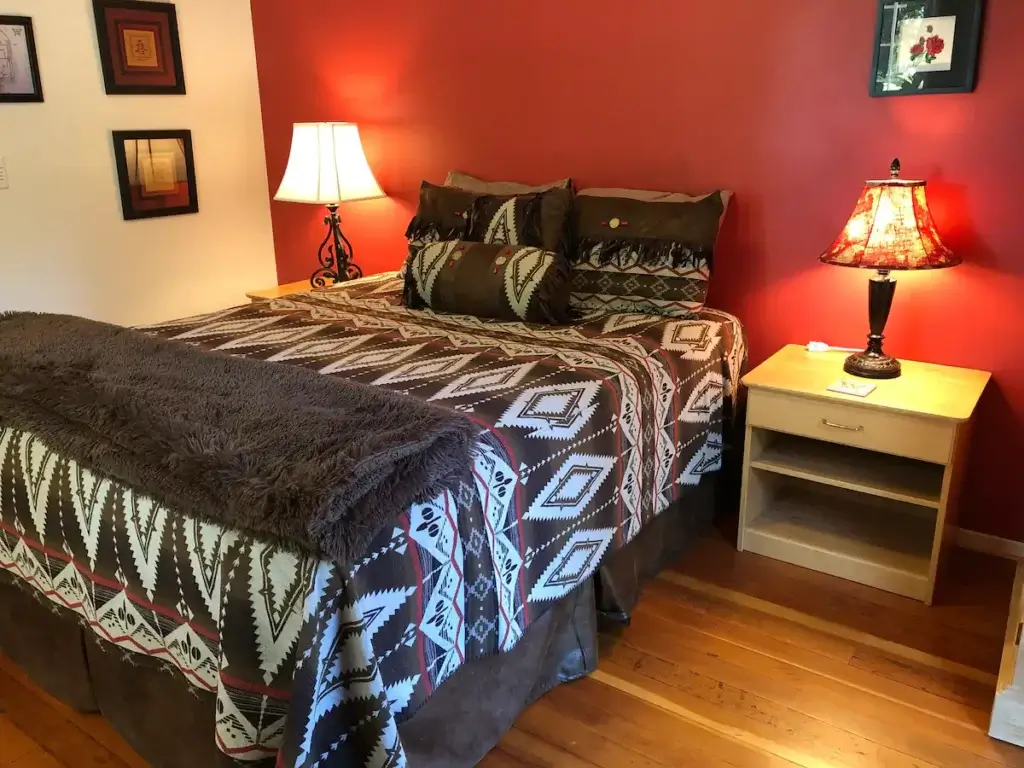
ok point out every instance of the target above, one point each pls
(989, 544)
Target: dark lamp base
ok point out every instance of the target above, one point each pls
(870, 366)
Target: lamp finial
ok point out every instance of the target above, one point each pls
(894, 169)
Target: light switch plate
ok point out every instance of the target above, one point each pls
(4, 184)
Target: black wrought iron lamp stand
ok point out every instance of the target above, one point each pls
(335, 254)
(873, 363)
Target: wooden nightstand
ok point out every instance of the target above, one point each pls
(302, 286)
(862, 488)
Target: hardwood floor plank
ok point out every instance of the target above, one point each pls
(963, 626)
(535, 751)
(733, 613)
(52, 730)
(39, 758)
(949, 685)
(14, 743)
(569, 733)
(654, 730)
(94, 724)
(948, 645)
(677, 609)
(752, 720)
(702, 662)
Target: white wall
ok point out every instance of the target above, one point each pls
(64, 246)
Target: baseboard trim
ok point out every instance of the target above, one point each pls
(992, 545)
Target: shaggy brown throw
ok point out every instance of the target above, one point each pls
(316, 462)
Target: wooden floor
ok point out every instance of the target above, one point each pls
(731, 660)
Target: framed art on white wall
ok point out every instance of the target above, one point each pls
(19, 64)
(156, 173)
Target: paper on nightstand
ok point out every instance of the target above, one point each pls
(852, 387)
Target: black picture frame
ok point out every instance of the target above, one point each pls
(13, 56)
(909, 67)
(164, 193)
(164, 71)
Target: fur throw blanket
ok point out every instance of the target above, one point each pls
(316, 462)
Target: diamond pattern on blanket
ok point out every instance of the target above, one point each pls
(571, 489)
(693, 339)
(492, 380)
(575, 562)
(705, 401)
(553, 412)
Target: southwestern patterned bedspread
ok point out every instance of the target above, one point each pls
(587, 432)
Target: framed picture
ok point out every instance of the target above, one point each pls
(156, 173)
(19, 65)
(139, 47)
(926, 46)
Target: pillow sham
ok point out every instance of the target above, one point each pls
(473, 184)
(651, 257)
(488, 280)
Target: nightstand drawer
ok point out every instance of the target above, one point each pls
(872, 429)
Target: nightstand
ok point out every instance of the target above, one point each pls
(302, 286)
(861, 488)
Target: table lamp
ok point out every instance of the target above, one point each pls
(891, 228)
(327, 166)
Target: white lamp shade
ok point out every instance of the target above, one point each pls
(327, 165)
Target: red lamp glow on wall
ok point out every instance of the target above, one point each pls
(891, 228)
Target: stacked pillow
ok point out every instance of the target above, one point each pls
(516, 252)
(490, 255)
(644, 252)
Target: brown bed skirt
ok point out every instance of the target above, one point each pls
(171, 725)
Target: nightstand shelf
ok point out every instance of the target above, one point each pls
(861, 488)
(879, 542)
(890, 477)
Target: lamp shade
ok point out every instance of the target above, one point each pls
(891, 228)
(327, 165)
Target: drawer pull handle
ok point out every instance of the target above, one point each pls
(827, 423)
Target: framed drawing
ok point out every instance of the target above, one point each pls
(926, 46)
(156, 173)
(139, 47)
(19, 64)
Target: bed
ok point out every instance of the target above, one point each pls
(599, 446)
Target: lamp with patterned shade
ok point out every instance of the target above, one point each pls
(891, 228)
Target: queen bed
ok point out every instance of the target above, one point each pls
(597, 447)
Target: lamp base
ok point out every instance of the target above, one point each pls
(872, 366)
(335, 254)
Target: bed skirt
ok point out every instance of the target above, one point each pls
(171, 725)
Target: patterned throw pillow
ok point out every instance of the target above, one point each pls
(539, 219)
(488, 280)
(642, 256)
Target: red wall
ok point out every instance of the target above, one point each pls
(769, 99)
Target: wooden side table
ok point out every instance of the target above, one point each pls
(302, 286)
(861, 488)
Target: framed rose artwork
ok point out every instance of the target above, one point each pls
(19, 65)
(926, 46)
(156, 173)
(139, 47)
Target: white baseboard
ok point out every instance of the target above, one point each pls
(992, 545)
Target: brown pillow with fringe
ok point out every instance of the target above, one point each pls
(488, 280)
(444, 213)
(645, 257)
(538, 219)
